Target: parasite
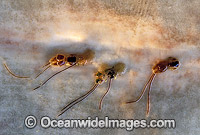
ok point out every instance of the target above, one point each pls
(170, 63)
(105, 75)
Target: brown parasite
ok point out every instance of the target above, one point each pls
(170, 63)
(106, 74)
(60, 60)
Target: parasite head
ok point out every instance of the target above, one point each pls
(106, 72)
(170, 63)
(173, 63)
(58, 60)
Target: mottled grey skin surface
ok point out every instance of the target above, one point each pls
(136, 32)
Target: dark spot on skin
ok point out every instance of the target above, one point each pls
(71, 59)
(174, 64)
(98, 80)
(111, 74)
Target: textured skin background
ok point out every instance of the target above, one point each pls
(136, 32)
